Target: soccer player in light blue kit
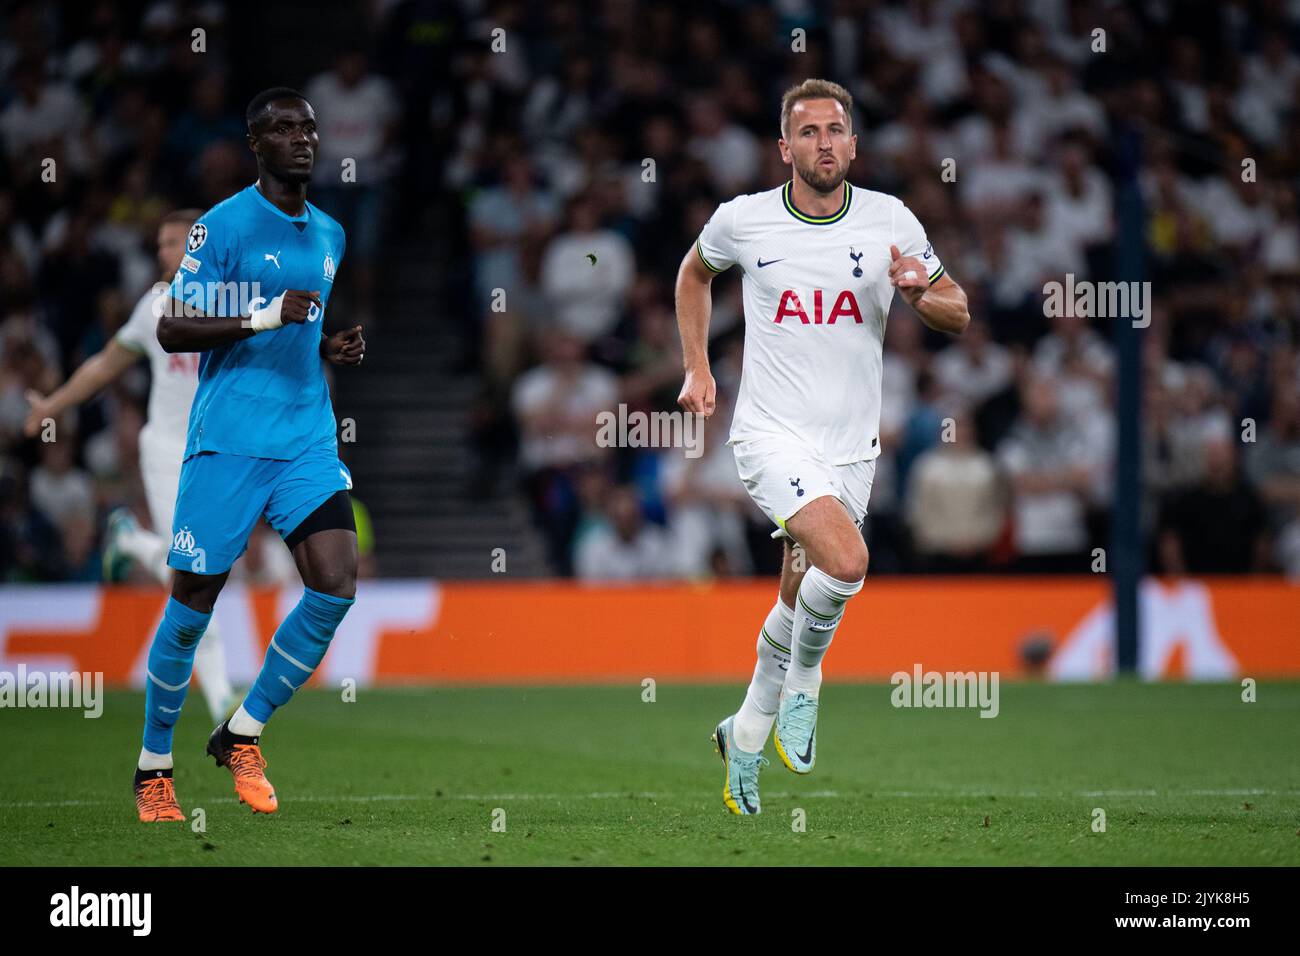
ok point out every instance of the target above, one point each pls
(250, 295)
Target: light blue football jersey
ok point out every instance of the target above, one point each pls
(265, 396)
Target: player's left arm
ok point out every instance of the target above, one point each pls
(941, 305)
(343, 348)
(919, 275)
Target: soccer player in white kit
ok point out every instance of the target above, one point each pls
(820, 261)
(162, 439)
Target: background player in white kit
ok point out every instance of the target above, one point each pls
(162, 441)
(820, 260)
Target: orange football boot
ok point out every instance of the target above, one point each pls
(155, 796)
(243, 758)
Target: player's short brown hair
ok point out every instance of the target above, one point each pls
(812, 89)
(186, 217)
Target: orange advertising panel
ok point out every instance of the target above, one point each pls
(550, 633)
(554, 632)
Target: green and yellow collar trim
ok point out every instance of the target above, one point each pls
(787, 197)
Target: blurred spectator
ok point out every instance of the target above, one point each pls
(557, 107)
(624, 547)
(58, 487)
(707, 503)
(1078, 360)
(956, 502)
(974, 368)
(904, 357)
(73, 273)
(586, 271)
(1080, 206)
(1217, 526)
(503, 220)
(556, 405)
(357, 117)
(1280, 252)
(1061, 108)
(65, 494)
(996, 186)
(1200, 419)
(730, 152)
(16, 237)
(44, 120)
(208, 119)
(30, 545)
(28, 360)
(652, 377)
(1046, 459)
(1273, 464)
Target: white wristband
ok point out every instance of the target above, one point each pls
(265, 320)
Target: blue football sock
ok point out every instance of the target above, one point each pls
(296, 650)
(171, 659)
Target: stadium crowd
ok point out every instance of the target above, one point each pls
(109, 119)
(1011, 135)
(589, 146)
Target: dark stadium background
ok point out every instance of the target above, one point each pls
(496, 167)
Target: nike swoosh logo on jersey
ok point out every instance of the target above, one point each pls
(761, 263)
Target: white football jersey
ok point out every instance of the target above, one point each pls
(817, 295)
(175, 376)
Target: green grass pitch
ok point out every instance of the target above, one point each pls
(1187, 774)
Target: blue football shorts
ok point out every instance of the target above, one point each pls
(222, 496)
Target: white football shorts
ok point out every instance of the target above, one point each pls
(160, 470)
(782, 476)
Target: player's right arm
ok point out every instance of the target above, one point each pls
(183, 328)
(212, 254)
(90, 377)
(694, 306)
(714, 252)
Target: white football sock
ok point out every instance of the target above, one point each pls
(821, 606)
(153, 761)
(148, 550)
(244, 724)
(754, 719)
(210, 668)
